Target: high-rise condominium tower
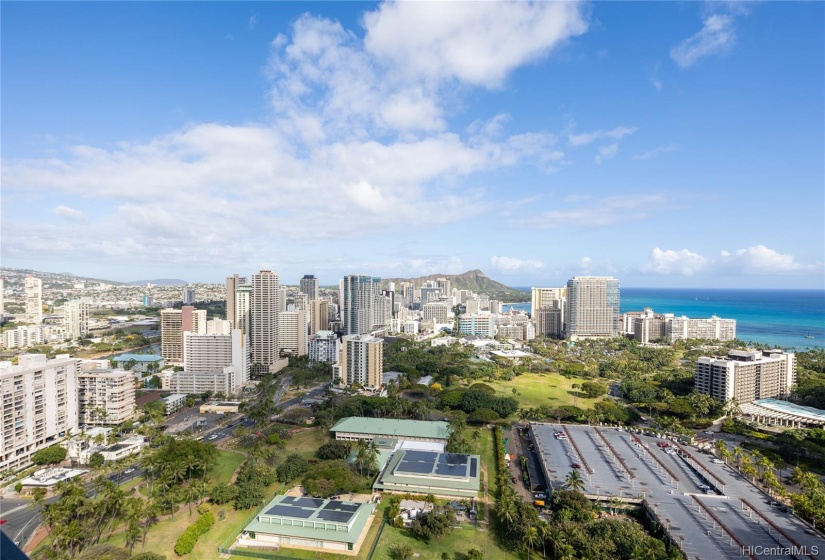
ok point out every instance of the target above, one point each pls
(362, 360)
(592, 307)
(232, 284)
(266, 307)
(34, 300)
(243, 309)
(175, 322)
(319, 316)
(309, 286)
(358, 300)
(747, 375)
(76, 319)
(188, 296)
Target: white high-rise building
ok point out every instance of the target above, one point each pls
(362, 361)
(243, 308)
(34, 300)
(188, 296)
(232, 284)
(226, 354)
(266, 307)
(324, 347)
(292, 332)
(39, 406)
(747, 375)
(438, 311)
(358, 304)
(546, 297)
(76, 319)
(714, 328)
(218, 326)
(592, 307)
(309, 286)
(105, 397)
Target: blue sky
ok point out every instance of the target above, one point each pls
(668, 144)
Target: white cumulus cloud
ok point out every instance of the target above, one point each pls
(478, 43)
(668, 262)
(756, 260)
(717, 36)
(510, 264)
(761, 260)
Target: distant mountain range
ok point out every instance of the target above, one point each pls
(474, 280)
(13, 276)
(159, 282)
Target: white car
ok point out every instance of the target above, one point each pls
(709, 433)
(128, 471)
(717, 461)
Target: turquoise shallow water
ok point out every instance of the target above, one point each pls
(781, 318)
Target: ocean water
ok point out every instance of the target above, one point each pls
(781, 318)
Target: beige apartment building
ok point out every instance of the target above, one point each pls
(106, 397)
(362, 361)
(175, 322)
(319, 316)
(747, 375)
(40, 406)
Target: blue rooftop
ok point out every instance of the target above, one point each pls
(138, 358)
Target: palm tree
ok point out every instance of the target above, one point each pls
(574, 481)
(506, 511)
(530, 537)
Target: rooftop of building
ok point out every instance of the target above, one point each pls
(313, 518)
(792, 409)
(138, 358)
(392, 427)
(431, 472)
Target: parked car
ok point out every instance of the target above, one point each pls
(717, 461)
(513, 478)
(576, 465)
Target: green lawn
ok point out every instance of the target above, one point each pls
(536, 389)
(228, 462)
(488, 459)
(458, 540)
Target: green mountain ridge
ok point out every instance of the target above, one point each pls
(474, 280)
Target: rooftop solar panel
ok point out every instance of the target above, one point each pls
(414, 467)
(416, 455)
(451, 470)
(473, 467)
(453, 459)
(314, 503)
(335, 516)
(289, 511)
(342, 506)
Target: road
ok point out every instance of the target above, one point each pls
(23, 517)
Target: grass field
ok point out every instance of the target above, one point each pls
(227, 464)
(537, 389)
(457, 541)
(488, 460)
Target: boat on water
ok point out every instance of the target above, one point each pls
(809, 335)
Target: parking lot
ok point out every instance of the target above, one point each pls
(707, 508)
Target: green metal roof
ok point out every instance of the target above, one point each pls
(394, 428)
(296, 529)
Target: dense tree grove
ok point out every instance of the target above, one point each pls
(573, 531)
(292, 467)
(434, 524)
(334, 477)
(810, 370)
(49, 455)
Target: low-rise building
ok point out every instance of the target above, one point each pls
(220, 407)
(354, 428)
(174, 403)
(451, 475)
(315, 523)
(140, 363)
